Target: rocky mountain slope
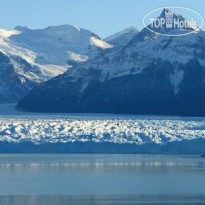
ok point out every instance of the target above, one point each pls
(152, 74)
(17, 77)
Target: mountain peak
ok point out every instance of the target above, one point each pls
(64, 27)
(123, 37)
(22, 28)
(166, 11)
(173, 20)
(168, 23)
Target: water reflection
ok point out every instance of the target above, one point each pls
(101, 163)
(101, 175)
(102, 200)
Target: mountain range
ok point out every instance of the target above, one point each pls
(32, 56)
(152, 74)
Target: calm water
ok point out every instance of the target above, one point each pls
(101, 179)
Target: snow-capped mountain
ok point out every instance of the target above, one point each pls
(58, 44)
(152, 74)
(122, 38)
(32, 56)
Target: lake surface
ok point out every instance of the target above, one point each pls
(101, 179)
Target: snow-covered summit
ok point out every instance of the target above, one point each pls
(123, 37)
(163, 29)
(53, 44)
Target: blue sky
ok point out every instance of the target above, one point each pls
(103, 17)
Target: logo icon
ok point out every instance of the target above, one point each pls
(171, 22)
(169, 18)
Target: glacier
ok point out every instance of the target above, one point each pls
(99, 133)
